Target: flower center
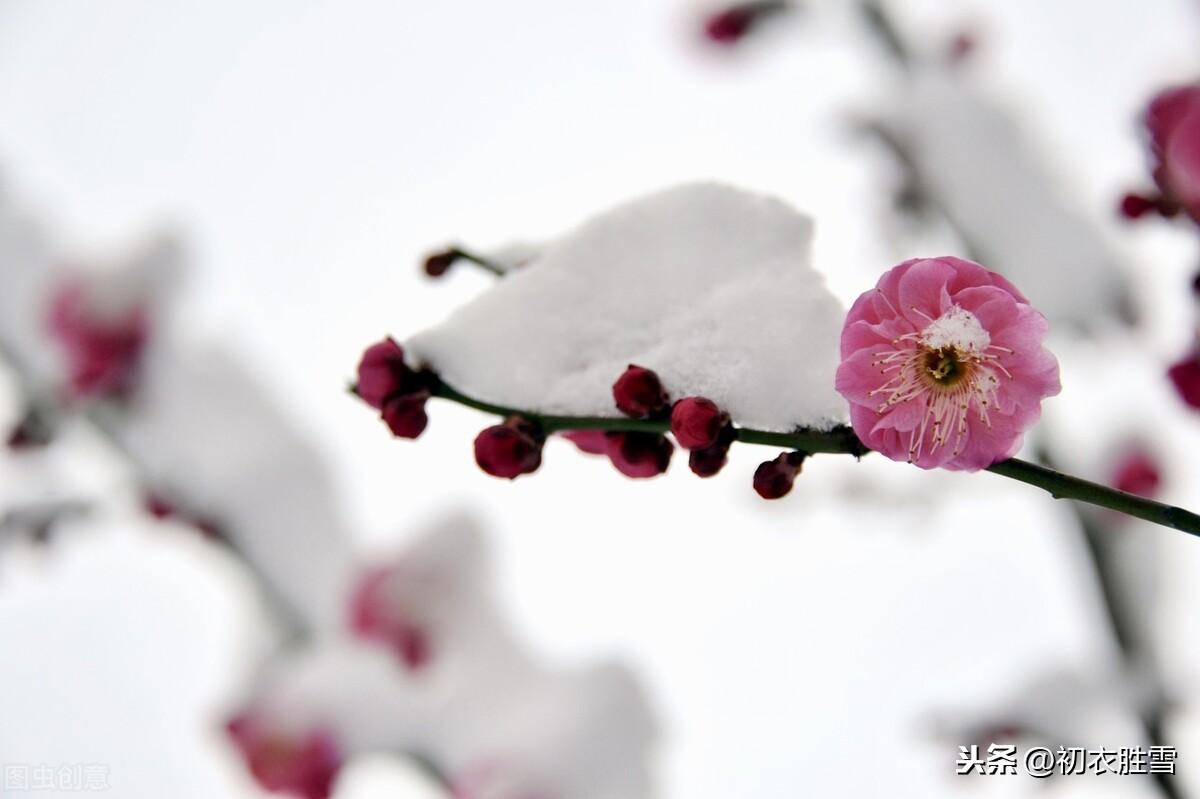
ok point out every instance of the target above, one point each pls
(944, 366)
(952, 368)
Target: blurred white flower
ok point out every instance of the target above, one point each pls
(476, 708)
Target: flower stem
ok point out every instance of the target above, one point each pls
(486, 264)
(841, 440)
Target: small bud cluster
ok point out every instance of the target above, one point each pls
(697, 423)
(386, 383)
(514, 447)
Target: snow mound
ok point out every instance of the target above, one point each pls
(709, 286)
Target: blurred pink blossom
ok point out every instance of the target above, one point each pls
(943, 365)
(302, 764)
(374, 617)
(1173, 120)
(102, 351)
(1137, 472)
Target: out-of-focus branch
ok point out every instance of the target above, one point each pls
(1099, 539)
(292, 625)
(99, 418)
(880, 24)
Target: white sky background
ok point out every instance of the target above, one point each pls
(311, 152)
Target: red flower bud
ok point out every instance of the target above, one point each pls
(639, 454)
(405, 414)
(1135, 206)
(592, 442)
(697, 422)
(1186, 376)
(383, 373)
(774, 479)
(509, 450)
(639, 393)
(1137, 473)
(438, 263)
(710, 460)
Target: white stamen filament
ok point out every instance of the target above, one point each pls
(956, 339)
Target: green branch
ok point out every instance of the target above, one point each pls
(841, 440)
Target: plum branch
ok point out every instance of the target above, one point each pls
(842, 440)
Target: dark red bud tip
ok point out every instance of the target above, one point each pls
(710, 460)
(1185, 375)
(405, 415)
(1135, 206)
(639, 455)
(509, 450)
(1137, 473)
(438, 263)
(697, 422)
(639, 393)
(382, 372)
(730, 25)
(774, 479)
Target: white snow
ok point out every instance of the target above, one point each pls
(984, 175)
(981, 171)
(206, 433)
(958, 329)
(709, 286)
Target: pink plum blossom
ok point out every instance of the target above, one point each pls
(1173, 121)
(943, 365)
